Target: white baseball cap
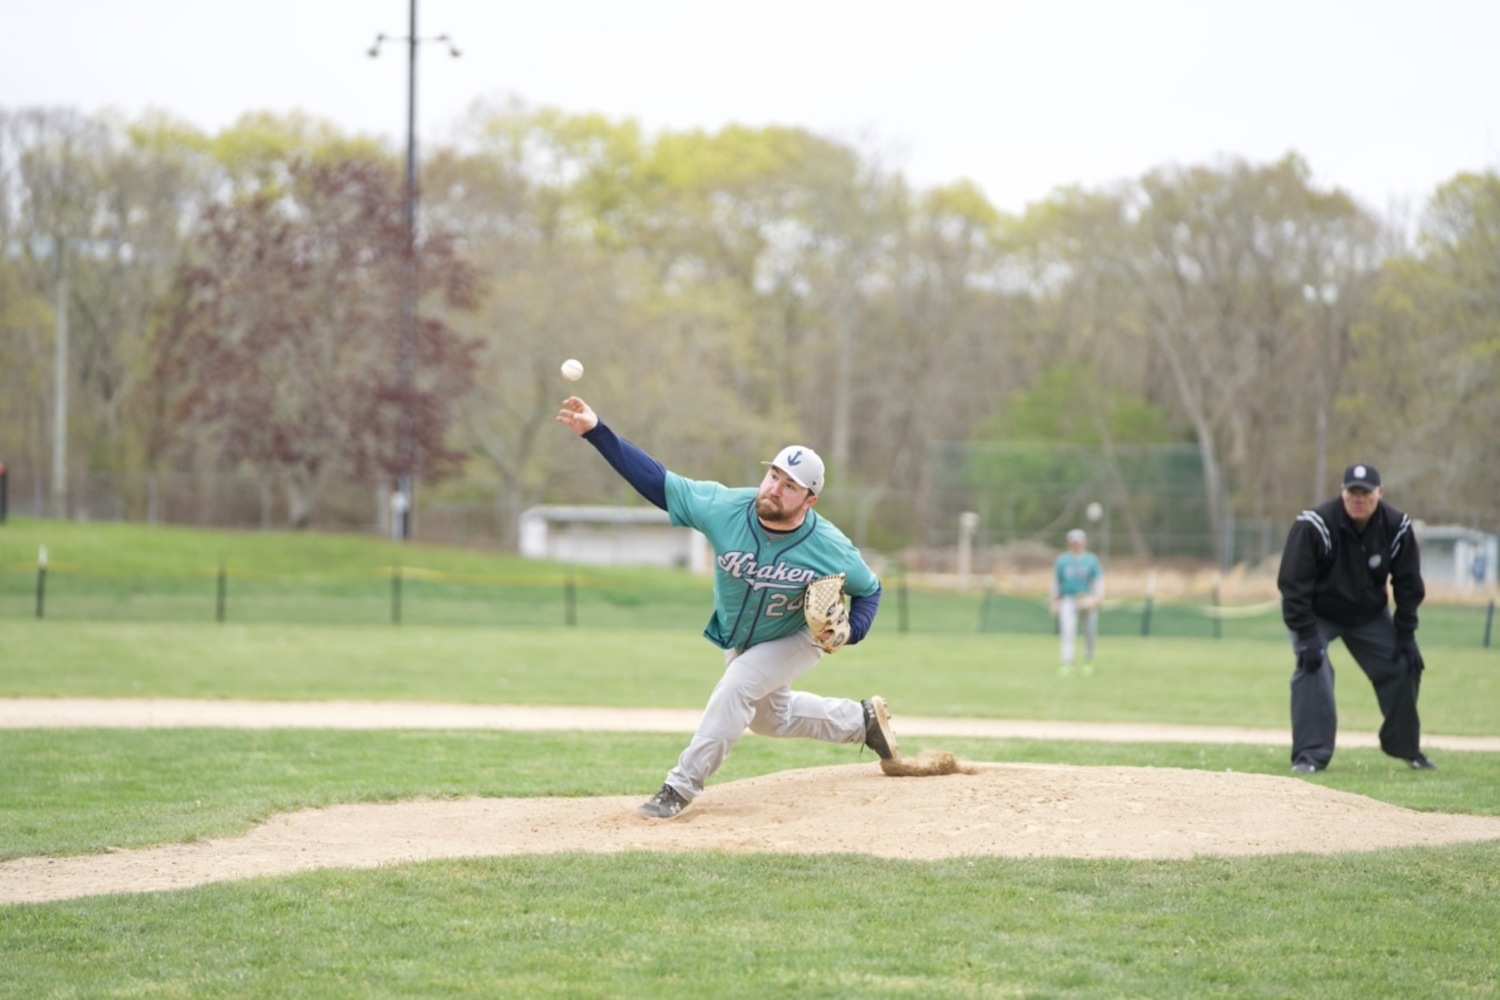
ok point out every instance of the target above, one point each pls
(802, 464)
(1077, 535)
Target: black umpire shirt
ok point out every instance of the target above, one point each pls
(1331, 570)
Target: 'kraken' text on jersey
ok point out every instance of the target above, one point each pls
(742, 566)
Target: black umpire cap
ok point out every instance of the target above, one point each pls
(1361, 476)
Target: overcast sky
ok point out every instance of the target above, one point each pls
(1385, 99)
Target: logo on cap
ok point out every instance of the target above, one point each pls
(1361, 475)
(802, 464)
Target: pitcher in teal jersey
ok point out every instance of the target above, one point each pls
(768, 544)
(1077, 590)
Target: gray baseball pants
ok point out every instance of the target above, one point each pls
(755, 693)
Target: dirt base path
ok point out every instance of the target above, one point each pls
(1010, 810)
(176, 713)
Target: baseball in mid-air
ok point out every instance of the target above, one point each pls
(572, 369)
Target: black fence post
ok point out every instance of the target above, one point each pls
(222, 596)
(4, 500)
(396, 594)
(570, 602)
(1489, 621)
(41, 582)
(1150, 599)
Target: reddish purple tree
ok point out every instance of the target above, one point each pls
(283, 344)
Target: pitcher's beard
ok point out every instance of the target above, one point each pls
(770, 512)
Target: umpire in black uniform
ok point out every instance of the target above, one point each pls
(1338, 559)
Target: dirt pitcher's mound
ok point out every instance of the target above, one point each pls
(1012, 810)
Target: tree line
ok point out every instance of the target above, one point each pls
(233, 302)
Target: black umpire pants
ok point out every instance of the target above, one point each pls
(1314, 714)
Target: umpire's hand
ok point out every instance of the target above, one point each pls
(1406, 649)
(1309, 655)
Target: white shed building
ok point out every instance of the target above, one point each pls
(611, 536)
(1458, 557)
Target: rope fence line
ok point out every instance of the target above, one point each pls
(1226, 612)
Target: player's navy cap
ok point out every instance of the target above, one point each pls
(1363, 476)
(802, 464)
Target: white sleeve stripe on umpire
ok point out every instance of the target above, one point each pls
(1400, 534)
(1312, 518)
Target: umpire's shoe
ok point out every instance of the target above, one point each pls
(663, 805)
(878, 734)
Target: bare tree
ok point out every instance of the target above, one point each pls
(1224, 258)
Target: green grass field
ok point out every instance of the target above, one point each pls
(1418, 922)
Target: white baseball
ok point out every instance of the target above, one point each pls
(572, 369)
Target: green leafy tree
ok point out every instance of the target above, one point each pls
(550, 208)
(1069, 440)
(1427, 357)
(91, 224)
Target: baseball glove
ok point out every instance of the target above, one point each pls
(827, 618)
(1088, 602)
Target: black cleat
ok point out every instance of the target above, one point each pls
(1420, 763)
(878, 734)
(663, 805)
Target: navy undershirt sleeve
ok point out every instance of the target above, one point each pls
(646, 474)
(862, 615)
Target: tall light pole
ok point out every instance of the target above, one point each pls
(1328, 294)
(60, 386)
(405, 444)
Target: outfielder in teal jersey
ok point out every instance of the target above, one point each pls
(768, 545)
(1077, 590)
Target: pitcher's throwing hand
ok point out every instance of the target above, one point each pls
(578, 416)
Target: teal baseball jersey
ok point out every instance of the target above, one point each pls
(760, 578)
(1077, 574)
